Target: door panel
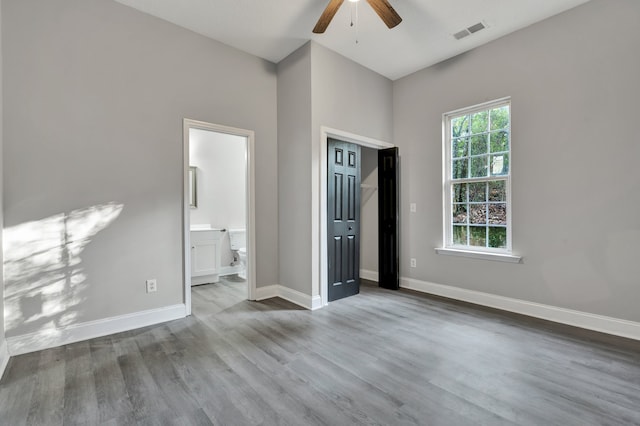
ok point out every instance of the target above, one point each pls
(351, 197)
(343, 219)
(338, 200)
(388, 202)
(351, 256)
(337, 261)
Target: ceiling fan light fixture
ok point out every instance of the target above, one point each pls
(382, 8)
(354, 1)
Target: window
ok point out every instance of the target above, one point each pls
(477, 178)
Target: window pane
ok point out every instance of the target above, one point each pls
(479, 154)
(499, 164)
(479, 166)
(478, 213)
(459, 193)
(497, 237)
(499, 141)
(498, 214)
(460, 126)
(500, 118)
(478, 192)
(478, 236)
(459, 213)
(459, 169)
(459, 147)
(497, 191)
(478, 144)
(460, 235)
(480, 122)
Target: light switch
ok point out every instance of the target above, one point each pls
(413, 207)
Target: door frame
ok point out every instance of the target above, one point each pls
(319, 254)
(250, 218)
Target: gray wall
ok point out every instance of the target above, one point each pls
(1, 195)
(351, 98)
(95, 94)
(573, 80)
(317, 87)
(294, 179)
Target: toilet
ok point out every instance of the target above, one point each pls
(238, 243)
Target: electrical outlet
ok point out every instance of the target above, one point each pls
(152, 285)
(413, 262)
(413, 207)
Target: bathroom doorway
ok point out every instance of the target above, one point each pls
(218, 215)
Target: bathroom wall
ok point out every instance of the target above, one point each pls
(221, 178)
(369, 211)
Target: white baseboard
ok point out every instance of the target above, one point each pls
(230, 270)
(293, 296)
(369, 275)
(300, 299)
(205, 279)
(53, 337)
(601, 323)
(267, 292)
(4, 357)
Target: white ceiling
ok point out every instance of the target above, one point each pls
(272, 29)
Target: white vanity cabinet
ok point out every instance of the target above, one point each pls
(205, 255)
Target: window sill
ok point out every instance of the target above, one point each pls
(499, 257)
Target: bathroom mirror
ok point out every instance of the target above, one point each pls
(193, 193)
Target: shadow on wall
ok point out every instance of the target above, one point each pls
(44, 278)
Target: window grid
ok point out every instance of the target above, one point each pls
(478, 221)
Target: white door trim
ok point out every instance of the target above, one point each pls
(319, 279)
(250, 203)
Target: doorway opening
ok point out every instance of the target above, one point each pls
(320, 279)
(218, 213)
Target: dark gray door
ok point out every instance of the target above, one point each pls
(388, 272)
(343, 219)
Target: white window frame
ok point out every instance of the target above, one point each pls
(489, 253)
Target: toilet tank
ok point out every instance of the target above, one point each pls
(238, 238)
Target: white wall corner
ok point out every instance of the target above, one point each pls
(369, 275)
(316, 302)
(293, 296)
(267, 292)
(4, 357)
(53, 337)
(600, 323)
(300, 299)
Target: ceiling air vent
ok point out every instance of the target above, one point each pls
(475, 28)
(461, 34)
(470, 30)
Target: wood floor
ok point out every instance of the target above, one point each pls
(382, 357)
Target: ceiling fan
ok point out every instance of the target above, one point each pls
(382, 7)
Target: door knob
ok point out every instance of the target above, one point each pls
(351, 228)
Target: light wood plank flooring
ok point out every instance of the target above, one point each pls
(379, 358)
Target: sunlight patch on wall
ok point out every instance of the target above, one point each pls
(44, 279)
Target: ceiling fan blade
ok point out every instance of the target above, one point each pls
(386, 12)
(327, 16)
